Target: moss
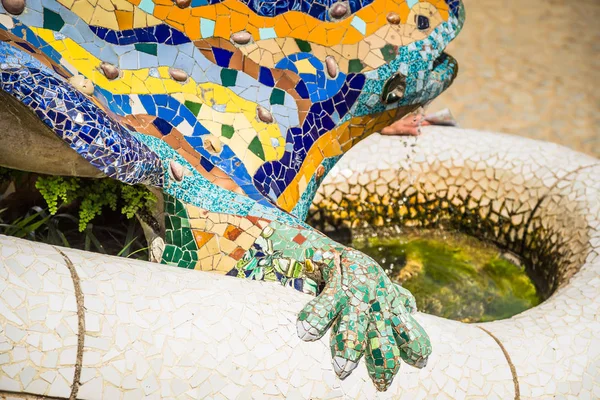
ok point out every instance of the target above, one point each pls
(453, 276)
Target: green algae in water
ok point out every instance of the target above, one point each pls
(452, 275)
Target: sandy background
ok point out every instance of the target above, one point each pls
(529, 67)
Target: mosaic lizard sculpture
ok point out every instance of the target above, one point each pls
(236, 110)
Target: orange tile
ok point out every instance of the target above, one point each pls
(179, 15)
(124, 19)
(232, 232)
(161, 12)
(223, 26)
(202, 237)
(238, 253)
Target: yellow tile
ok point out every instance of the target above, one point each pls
(227, 246)
(104, 18)
(305, 67)
(245, 240)
(212, 246)
(67, 3)
(224, 264)
(83, 9)
(219, 229)
(198, 223)
(122, 5)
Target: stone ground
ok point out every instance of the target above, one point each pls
(530, 68)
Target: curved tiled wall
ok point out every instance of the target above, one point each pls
(532, 198)
(127, 329)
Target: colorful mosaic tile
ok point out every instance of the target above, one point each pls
(237, 110)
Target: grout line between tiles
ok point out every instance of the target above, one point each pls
(80, 324)
(513, 370)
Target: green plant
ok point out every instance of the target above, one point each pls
(88, 214)
(94, 196)
(54, 188)
(24, 226)
(122, 238)
(136, 199)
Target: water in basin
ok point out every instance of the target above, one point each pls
(452, 275)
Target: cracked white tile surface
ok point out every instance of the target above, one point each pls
(163, 332)
(36, 298)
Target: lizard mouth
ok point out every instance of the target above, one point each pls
(445, 69)
(440, 60)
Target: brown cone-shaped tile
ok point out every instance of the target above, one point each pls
(332, 66)
(183, 3)
(14, 7)
(83, 84)
(393, 18)
(178, 74)
(264, 115)
(177, 170)
(339, 10)
(320, 171)
(241, 37)
(110, 71)
(212, 144)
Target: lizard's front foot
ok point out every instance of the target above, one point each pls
(411, 124)
(368, 314)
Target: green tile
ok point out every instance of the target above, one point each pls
(187, 265)
(256, 148)
(168, 223)
(177, 241)
(227, 131)
(303, 46)
(187, 239)
(277, 97)
(355, 66)
(185, 223)
(169, 205)
(309, 252)
(296, 269)
(168, 252)
(405, 336)
(52, 20)
(180, 209)
(148, 48)
(389, 52)
(228, 77)
(177, 254)
(193, 107)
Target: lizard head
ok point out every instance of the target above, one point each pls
(406, 66)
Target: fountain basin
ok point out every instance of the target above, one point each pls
(120, 328)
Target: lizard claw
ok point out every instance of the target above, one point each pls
(307, 332)
(342, 367)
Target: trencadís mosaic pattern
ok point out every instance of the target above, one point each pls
(237, 110)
